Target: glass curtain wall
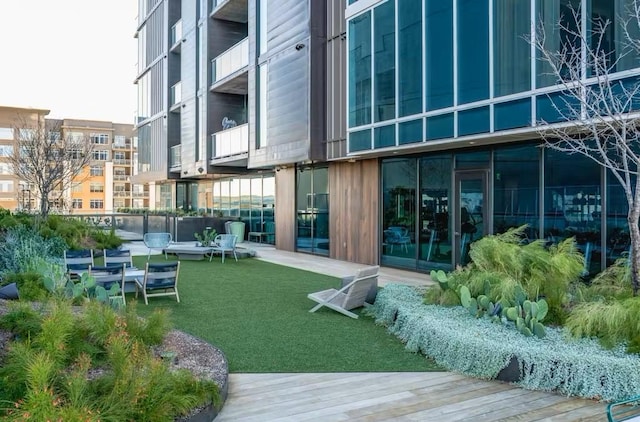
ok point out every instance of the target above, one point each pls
(435, 221)
(384, 61)
(312, 204)
(512, 53)
(410, 63)
(439, 53)
(399, 212)
(360, 72)
(573, 204)
(516, 189)
(250, 199)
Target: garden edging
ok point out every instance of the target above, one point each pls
(482, 349)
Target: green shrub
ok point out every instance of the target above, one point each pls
(22, 319)
(106, 239)
(46, 372)
(505, 263)
(30, 285)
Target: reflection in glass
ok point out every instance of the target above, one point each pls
(360, 70)
(434, 224)
(409, 63)
(512, 53)
(473, 51)
(439, 53)
(312, 204)
(384, 61)
(398, 213)
(516, 189)
(618, 240)
(573, 204)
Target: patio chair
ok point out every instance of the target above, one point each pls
(157, 241)
(118, 256)
(397, 236)
(351, 296)
(225, 243)
(160, 279)
(77, 261)
(624, 410)
(107, 276)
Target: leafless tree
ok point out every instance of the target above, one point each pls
(47, 161)
(599, 112)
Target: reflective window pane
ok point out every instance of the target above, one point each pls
(359, 141)
(512, 115)
(512, 52)
(409, 57)
(474, 121)
(516, 189)
(435, 224)
(384, 136)
(360, 70)
(473, 50)
(410, 132)
(439, 53)
(384, 61)
(440, 127)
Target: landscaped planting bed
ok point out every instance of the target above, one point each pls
(481, 348)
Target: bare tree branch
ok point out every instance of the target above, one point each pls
(47, 161)
(598, 113)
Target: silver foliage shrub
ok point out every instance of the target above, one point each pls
(22, 249)
(480, 348)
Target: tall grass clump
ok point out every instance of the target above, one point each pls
(88, 365)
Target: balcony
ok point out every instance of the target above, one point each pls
(230, 146)
(140, 194)
(121, 162)
(229, 71)
(175, 157)
(175, 40)
(175, 97)
(230, 10)
(121, 145)
(121, 177)
(122, 194)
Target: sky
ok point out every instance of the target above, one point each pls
(74, 57)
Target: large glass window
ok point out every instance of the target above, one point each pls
(385, 61)
(618, 240)
(409, 57)
(439, 51)
(512, 53)
(473, 50)
(516, 189)
(434, 224)
(573, 204)
(399, 212)
(626, 55)
(360, 70)
(552, 13)
(312, 203)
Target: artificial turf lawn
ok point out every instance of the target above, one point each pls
(257, 313)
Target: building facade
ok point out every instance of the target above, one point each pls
(103, 187)
(375, 131)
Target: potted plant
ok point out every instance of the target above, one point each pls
(206, 238)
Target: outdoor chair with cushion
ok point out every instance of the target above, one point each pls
(397, 236)
(225, 243)
(351, 296)
(78, 261)
(157, 241)
(160, 279)
(107, 276)
(118, 256)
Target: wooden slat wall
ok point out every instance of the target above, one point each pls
(286, 209)
(353, 211)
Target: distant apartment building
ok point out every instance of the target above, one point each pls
(102, 187)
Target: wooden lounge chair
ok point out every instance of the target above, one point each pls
(118, 256)
(160, 279)
(351, 296)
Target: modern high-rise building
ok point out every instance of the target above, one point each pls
(103, 187)
(379, 131)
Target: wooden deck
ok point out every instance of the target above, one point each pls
(423, 396)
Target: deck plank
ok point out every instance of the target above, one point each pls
(367, 397)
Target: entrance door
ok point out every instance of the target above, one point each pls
(470, 221)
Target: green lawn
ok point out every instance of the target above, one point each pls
(258, 314)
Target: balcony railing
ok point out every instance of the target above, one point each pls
(232, 60)
(121, 162)
(176, 33)
(230, 142)
(121, 145)
(175, 156)
(140, 194)
(122, 194)
(121, 177)
(175, 96)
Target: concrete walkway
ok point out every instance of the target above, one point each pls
(427, 396)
